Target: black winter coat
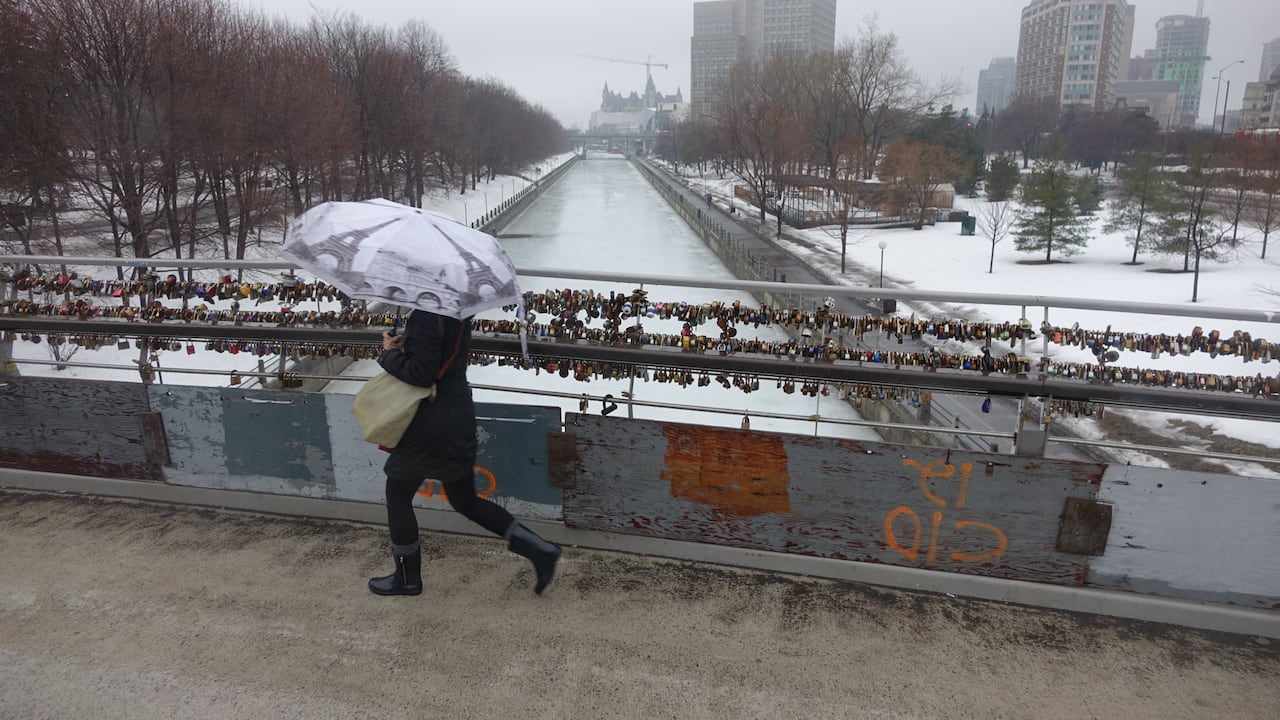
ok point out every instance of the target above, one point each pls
(441, 440)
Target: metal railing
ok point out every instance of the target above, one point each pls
(1020, 386)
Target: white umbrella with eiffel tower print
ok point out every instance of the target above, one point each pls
(384, 251)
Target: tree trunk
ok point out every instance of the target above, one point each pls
(1195, 281)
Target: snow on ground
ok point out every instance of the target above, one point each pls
(939, 258)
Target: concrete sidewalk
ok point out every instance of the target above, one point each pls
(115, 608)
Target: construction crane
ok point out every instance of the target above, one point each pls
(647, 63)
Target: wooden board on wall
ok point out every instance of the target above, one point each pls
(983, 514)
(74, 426)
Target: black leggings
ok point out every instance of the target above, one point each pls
(462, 497)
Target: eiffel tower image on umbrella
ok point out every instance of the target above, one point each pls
(343, 248)
(480, 275)
(382, 251)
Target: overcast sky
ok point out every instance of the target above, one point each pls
(536, 46)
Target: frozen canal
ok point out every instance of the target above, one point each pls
(604, 216)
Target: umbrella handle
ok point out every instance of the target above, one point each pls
(395, 326)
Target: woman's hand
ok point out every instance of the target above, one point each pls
(390, 342)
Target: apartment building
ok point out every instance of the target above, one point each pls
(995, 84)
(1073, 51)
(726, 32)
(1270, 59)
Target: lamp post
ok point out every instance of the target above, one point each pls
(883, 245)
(1226, 98)
(1218, 77)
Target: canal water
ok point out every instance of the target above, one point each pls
(604, 216)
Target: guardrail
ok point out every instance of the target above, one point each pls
(1022, 385)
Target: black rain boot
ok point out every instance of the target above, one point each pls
(522, 541)
(406, 580)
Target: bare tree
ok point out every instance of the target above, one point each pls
(107, 52)
(883, 90)
(1024, 124)
(1212, 241)
(34, 159)
(995, 220)
(1259, 159)
(917, 170)
(1264, 211)
(761, 131)
(1179, 229)
(202, 122)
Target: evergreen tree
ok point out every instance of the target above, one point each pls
(955, 132)
(1141, 198)
(1050, 218)
(1088, 194)
(1002, 178)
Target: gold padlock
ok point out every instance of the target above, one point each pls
(235, 377)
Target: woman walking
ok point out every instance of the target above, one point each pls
(441, 443)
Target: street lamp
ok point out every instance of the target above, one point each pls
(883, 245)
(1218, 77)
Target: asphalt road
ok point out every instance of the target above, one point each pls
(124, 609)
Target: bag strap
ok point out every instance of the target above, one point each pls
(456, 346)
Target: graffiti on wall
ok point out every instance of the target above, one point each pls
(906, 533)
(432, 488)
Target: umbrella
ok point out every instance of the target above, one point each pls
(387, 252)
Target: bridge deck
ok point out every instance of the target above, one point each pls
(115, 608)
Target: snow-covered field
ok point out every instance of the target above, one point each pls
(939, 258)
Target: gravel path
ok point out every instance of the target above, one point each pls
(123, 609)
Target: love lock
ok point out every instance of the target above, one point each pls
(609, 405)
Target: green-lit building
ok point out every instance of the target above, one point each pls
(1182, 43)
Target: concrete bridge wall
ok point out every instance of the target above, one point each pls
(1166, 533)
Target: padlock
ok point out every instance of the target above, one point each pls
(235, 377)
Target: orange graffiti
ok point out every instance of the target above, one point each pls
(1001, 540)
(940, 471)
(741, 472)
(927, 472)
(911, 553)
(429, 488)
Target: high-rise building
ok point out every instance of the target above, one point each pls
(1261, 105)
(995, 85)
(1182, 43)
(808, 26)
(1270, 60)
(1126, 39)
(726, 32)
(719, 42)
(1142, 67)
(1073, 51)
